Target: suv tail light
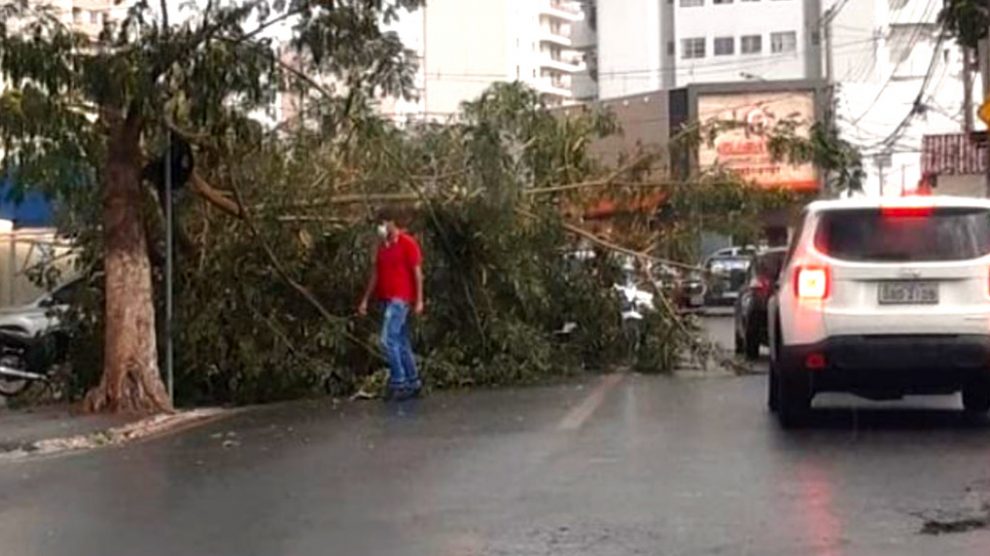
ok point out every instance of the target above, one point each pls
(760, 283)
(812, 282)
(912, 211)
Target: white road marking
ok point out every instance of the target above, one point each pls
(577, 417)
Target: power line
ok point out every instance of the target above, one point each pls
(915, 37)
(647, 73)
(918, 102)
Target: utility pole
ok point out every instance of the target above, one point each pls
(169, 269)
(426, 75)
(983, 58)
(169, 262)
(829, 61)
(829, 112)
(967, 76)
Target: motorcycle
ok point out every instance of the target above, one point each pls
(634, 302)
(24, 360)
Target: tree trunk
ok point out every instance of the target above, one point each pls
(131, 381)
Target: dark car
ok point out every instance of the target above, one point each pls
(684, 288)
(725, 274)
(751, 305)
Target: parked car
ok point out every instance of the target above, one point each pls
(685, 288)
(42, 314)
(751, 305)
(30, 341)
(725, 274)
(883, 298)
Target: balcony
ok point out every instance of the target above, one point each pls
(563, 64)
(562, 10)
(554, 87)
(550, 37)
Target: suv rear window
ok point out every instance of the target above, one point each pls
(945, 234)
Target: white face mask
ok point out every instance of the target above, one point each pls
(382, 231)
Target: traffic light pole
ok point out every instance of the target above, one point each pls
(169, 262)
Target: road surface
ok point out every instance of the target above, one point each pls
(614, 465)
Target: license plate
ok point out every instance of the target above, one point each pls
(908, 293)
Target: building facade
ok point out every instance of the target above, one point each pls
(955, 164)
(646, 45)
(464, 47)
(896, 81)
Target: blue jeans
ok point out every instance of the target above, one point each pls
(398, 349)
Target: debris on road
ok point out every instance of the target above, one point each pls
(960, 525)
(145, 428)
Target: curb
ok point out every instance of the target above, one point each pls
(143, 429)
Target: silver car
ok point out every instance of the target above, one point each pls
(41, 315)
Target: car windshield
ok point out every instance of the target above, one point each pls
(943, 234)
(729, 263)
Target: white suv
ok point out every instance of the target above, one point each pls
(883, 298)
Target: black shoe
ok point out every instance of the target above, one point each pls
(392, 394)
(406, 394)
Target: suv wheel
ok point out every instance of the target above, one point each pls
(773, 403)
(976, 397)
(751, 345)
(794, 393)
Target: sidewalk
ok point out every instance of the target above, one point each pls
(25, 427)
(57, 429)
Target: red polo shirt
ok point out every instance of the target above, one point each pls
(395, 266)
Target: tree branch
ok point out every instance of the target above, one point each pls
(297, 73)
(594, 238)
(607, 180)
(214, 196)
(284, 273)
(265, 25)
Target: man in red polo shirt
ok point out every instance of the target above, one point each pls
(397, 281)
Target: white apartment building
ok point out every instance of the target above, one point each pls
(902, 82)
(88, 16)
(646, 45)
(464, 46)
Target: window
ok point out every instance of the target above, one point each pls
(77, 15)
(692, 3)
(722, 1)
(670, 48)
(725, 46)
(692, 49)
(752, 44)
(783, 42)
(947, 234)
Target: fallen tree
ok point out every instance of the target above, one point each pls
(280, 244)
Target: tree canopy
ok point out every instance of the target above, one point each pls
(81, 112)
(966, 20)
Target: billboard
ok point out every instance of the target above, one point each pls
(743, 148)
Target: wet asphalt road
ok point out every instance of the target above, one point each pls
(613, 465)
